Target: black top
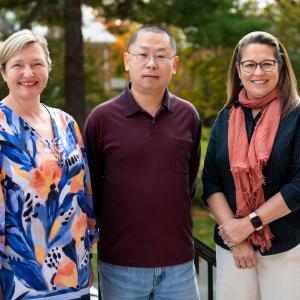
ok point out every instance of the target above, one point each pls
(143, 174)
(282, 174)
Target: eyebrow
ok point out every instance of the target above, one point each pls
(147, 48)
(21, 60)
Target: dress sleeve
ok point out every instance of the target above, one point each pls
(2, 218)
(91, 221)
(210, 177)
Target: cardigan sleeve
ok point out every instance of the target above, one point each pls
(210, 177)
(291, 190)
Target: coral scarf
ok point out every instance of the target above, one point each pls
(247, 161)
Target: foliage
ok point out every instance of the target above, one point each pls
(203, 226)
(206, 32)
(285, 15)
(205, 23)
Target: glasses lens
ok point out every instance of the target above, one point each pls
(249, 66)
(267, 65)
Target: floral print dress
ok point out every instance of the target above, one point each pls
(46, 217)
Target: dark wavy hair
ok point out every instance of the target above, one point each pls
(287, 84)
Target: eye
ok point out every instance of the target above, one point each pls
(267, 63)
(143, 55)
(249, 65)
(38, 64)
(16, 66)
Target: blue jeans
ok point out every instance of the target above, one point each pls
(164, 283)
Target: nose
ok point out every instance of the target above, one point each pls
(258, 70)
(28, 71)
(151, 63)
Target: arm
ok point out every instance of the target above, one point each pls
(91, 139)
(195, 157)
(2, 222)
(236, 230)
(243, 253)
(91, 222)
(279, 205)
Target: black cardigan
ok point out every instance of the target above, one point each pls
(282, 174)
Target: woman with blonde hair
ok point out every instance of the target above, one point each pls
(46, 217)
(251, 175)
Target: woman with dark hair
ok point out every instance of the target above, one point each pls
(251, 175)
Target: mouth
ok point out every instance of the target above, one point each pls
(28, 83)
(261, 81)
(150, 76)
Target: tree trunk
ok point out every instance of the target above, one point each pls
(74, 71)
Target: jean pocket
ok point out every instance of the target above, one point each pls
(180, 154)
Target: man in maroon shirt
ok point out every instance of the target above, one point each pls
(143, 152)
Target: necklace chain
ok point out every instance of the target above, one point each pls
(52, 147)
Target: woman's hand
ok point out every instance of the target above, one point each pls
(235, 231)
(244, 255)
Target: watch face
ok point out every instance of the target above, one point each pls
(256, 222)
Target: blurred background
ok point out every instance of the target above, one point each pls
(87, 40)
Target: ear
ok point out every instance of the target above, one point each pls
(126, 61)
(175, 64)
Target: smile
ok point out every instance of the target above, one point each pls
(28, 83)
(259, 81)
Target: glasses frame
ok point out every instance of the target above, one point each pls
(141, 58)
(258, 64)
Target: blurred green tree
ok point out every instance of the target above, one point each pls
(205, 31)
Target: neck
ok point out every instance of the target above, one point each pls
(150, 102)
(23, 108)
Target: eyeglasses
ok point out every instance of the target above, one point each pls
(250, 66)
(144, 58)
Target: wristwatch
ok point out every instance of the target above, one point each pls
(256, 221)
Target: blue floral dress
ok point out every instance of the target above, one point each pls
(46, 218)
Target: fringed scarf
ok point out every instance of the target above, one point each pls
(247, 161)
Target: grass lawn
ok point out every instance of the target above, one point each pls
(203, 226)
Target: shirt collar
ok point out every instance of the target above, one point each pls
(131, 107)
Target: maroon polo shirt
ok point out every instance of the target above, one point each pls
(143, 172)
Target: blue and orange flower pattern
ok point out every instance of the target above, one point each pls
(46, 215)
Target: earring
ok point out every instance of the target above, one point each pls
(241, 84)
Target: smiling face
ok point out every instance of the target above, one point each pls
(259, 83)
(26, 73)
(151, 75)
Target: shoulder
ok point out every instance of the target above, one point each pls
(178, 102)
(182, 107)
(106, 107)
(59, 115)
(223, 116)
(294, 114)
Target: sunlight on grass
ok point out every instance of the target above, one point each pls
(203, 226)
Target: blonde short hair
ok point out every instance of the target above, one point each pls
(17, 41)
